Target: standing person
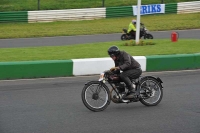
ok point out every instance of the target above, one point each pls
(130, 67)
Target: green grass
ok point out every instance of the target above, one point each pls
(28, 5)
(102, 26)
(98, 50)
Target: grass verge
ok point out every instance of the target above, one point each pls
(102, 26)
(98, 50)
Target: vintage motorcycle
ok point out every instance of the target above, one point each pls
(143, 33)
(96, 95)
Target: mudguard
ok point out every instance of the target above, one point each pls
(87, 82)
(156, 78)
(93, 81)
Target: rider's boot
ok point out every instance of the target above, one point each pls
(129, 85)
(131, 94)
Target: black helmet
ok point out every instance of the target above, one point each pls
(113, 51)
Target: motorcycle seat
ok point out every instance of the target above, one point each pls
(136, 80)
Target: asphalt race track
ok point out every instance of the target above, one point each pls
(69, 40)
(54, 106)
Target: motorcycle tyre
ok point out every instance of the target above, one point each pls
(148, 36)
(161, 90)
(84, 100)
(123, 37)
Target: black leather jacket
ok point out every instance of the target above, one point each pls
(126, 62)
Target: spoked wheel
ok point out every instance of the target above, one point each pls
(148, 36)
(96, 96)
(151, 92)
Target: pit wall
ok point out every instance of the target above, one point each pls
(91, 66)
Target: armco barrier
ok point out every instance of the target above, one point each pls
(171, 8)
(35, 69)
(91, 13)
(6, 17)
(122, 11)
(64, 15)
(173, 62)
(188, 7)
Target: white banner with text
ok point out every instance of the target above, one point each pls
(150, 9)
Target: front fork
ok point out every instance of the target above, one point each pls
(113, 88)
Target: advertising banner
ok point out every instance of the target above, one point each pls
(150, 9)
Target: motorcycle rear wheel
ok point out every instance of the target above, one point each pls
(151, 92)
(96, 96)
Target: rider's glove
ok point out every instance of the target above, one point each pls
(114, 68)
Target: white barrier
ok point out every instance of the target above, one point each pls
(98, 13)
(98, 65)
(188, 7)
(63, 15)
(91, 66)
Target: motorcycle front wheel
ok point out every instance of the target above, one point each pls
(96, 96)
(151, 92)
(148, 36)
(124, 37)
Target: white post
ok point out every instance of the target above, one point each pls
(138, 23)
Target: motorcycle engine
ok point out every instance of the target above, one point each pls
(120, 87)
(117, 98)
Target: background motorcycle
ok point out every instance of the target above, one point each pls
(143, 33)
(96, 95)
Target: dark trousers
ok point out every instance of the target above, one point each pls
(126, 77)
(133, 34)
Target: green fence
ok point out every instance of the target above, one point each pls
(14, 16)
(35, 69)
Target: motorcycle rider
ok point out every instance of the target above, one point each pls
(132, 28)
(130, 68)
